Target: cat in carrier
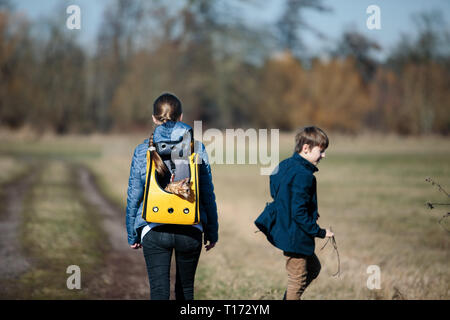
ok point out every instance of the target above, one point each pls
(171, 191)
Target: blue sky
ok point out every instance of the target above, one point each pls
(346, 14)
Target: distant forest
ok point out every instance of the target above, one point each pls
(226, 72)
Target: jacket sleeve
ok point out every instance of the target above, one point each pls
(207, 197)
(302, 188)
(135, 194)
(273, 186)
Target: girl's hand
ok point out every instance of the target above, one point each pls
(136, 246)
(329, 234)
(210, 245)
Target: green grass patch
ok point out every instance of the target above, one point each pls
(59, 230)
(11, 169)
(58, 149)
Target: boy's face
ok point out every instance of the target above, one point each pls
(313, 155)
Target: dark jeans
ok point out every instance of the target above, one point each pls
(158, 245)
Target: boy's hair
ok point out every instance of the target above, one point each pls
(312, 136)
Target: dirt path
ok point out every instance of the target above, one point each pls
(124, 276)
(13, 262)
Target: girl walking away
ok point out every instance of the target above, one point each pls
(194, 194)
(290, 221)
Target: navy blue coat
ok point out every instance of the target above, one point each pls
(290, 221)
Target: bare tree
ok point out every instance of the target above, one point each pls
(292, 22)
(115, 47)
(356, 45)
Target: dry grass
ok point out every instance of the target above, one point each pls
(371, 190)
(10, 168)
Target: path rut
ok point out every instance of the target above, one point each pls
(13, 261)
(124, 276)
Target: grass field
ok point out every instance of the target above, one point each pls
(59, 231)
(371, 190)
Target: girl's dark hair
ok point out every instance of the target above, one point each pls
(312, 136)
(167, 107)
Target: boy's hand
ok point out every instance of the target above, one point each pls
(136, 246)
(210, 245)
(329, 234)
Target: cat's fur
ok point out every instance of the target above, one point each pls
(181, 188)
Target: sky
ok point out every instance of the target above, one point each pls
(345, 15)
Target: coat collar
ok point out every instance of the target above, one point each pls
(308, 165)
(172, 131)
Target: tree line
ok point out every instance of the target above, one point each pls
(226, 72)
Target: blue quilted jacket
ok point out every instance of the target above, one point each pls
(171, 131)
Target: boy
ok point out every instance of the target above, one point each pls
(289, 222)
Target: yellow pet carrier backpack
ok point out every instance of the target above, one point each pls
(161, 206)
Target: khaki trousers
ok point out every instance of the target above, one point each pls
(301, 271)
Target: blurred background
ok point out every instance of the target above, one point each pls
(75, 103)
(271, 64)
